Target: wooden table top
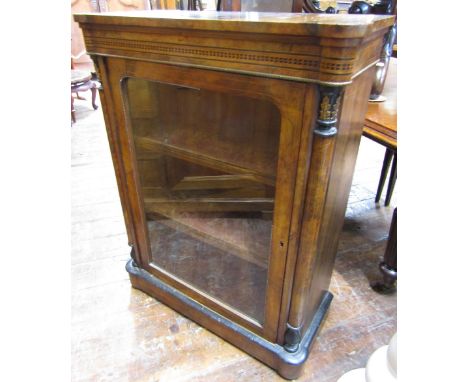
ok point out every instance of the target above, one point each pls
(381, 118)
(306, 24)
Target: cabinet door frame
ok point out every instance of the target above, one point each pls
(289, 98)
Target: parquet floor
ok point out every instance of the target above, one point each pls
(121, 334)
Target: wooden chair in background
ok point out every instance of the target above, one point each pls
(81, 81)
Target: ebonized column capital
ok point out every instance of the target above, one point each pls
(329, 105)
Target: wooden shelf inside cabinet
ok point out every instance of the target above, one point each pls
(223, 233)
(152, 146)
(210, 205)
(234, 138)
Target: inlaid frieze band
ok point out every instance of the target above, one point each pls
(275, 59)
(329, 106)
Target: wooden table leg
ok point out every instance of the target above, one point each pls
(388, 267)
(383, 174)
(392, 181)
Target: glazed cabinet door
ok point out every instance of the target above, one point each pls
(209, 163)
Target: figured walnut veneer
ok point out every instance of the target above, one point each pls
(234, 138)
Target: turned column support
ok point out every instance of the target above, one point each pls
(325, 131)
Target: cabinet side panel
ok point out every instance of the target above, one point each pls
(114, 144)
(341, 177)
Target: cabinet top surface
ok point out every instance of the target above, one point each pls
(341, 25)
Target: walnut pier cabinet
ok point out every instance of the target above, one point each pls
(234, 138)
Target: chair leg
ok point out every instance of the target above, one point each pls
(392, 181)
(383, 174)
(93, 98)
(72, 110)
(79, 97)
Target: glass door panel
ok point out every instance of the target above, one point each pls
(207, 166)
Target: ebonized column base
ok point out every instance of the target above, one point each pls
(288, 365)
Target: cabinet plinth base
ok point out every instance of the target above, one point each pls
(287, 364)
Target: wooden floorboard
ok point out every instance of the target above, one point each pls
(121, 334)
